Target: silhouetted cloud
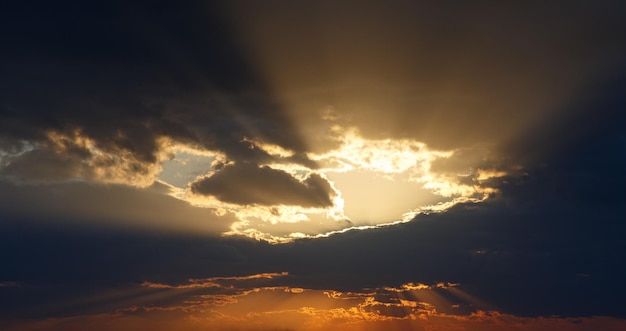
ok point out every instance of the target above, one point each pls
(131, 86)
(250, 184)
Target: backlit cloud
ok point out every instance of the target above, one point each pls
(324, 193)
(249, 184)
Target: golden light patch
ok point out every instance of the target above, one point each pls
(271, 149)
(367, 183)
(376, 182)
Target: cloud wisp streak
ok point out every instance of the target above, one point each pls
(234, 302)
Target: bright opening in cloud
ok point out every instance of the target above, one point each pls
(359, 184)
(280, 194)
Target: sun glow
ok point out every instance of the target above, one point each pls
(233, 296)
(359, 183)
(371, 183)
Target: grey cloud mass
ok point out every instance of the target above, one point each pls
(250, 184)
(118, 206)
(125, 78)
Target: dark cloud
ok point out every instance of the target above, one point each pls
(577, 156)
(125, 76)
(40, 165)
(547, 258)
(247, 184)
(117, 206)
(67, 267)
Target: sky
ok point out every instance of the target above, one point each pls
(312, 165)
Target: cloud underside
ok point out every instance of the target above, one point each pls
(249, 184)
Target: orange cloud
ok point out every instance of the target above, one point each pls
(309, 319)
(233, 307)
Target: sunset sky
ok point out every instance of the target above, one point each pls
(312, 165)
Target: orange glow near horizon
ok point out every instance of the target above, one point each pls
(238, 303)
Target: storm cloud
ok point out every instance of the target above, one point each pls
(122, 82)
(250, 184)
